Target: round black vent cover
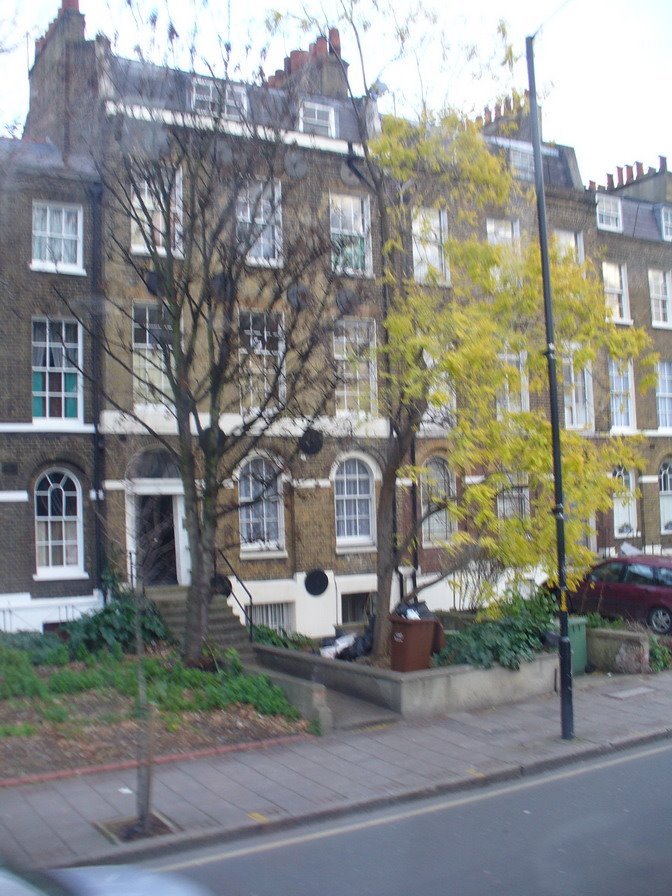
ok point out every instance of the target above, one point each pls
(345, 300)
(221, 584)
(317, 582)
(311, 441)
(298, 295)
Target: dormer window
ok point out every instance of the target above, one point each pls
(314, 118)
(522, 163)
(609, 215)
(210, 97)
(666, 223)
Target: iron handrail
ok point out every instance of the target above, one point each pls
(247, 614)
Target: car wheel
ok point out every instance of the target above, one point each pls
(660, 620)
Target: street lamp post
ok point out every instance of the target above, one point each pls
(565, 651)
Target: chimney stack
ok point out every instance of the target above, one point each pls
(629, 174)
(487, 114)
(619, 175)
(610, 181)
(334, 41)
(663, 164)
(592, 185)
(640, 169)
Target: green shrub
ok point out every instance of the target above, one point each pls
(263, 634)
(53, 712)
(594, 620)
(74, 681)
(113, 628)
(510, 632)
(21, 729)
(42, 648)
(660, 657)
(17, 676)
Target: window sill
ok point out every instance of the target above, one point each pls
(622, 321)
(661, 324)
(60, 575)
(623, 431)
(369, 548)
(625, 535)
(263, 554)
(45, 267)
(144, 251)
(264, 262)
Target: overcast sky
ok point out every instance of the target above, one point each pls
(602, 65)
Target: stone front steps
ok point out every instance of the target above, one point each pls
(225, 629)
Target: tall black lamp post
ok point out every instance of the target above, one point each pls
(565, 651)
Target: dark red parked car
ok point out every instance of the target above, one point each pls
(637, 588)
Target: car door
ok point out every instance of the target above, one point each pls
(600, 590)
(639, 591)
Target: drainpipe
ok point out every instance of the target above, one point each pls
(97, 299)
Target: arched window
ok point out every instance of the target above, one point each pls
(58, 523)
(625, 509)
(353, 493)
(261, 510)
(438, 491)
(665, 496)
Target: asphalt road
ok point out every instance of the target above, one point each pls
(597, 828)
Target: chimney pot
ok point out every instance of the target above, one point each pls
(592, 185)
(619, 175)
(610, 181)
(297, 59)
(640, 169)
(321, 47)
(651, 170)
(69, 4)
(663, 164)
(629, 174)
(335, 41)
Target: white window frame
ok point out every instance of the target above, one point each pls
(570, 243)
(51, 370)
(151, 215)
(609, 211)
(521, 160)
(439, 525)
(356, 390)
(622, 390)
(314, 126)
(259, 355)
(616, 298)
(259, 223)
(266, 500)
(339, 205)
(578, 395)
(430, 232)
(510, 400)
(231, 97)
(513, 500)
(41, 261)
(503, 232)
(665, 496)
(54, 531)
(151, 387)
(359, 470)
(625, 508)
(666, 223)
(660, 290)
(664, 395)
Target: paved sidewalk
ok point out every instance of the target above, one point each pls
(208, 799)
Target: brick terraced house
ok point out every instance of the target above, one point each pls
(89, 466)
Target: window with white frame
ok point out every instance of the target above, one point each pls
(58, 524)
(522, 162)
(279, 616)
(609, 215)
(259, 223)
(261, 507)
(58, 238)
(664, 395)
(625, 507)
(156, 219)
(354, 496)
(262, 348)
(502, 232)
(214, 98)
(354, 354)
(513, 498)
(350, 226)
(316, 118)
(150, 381)
(616, 298)
(621, 394)
(569, 243)
(578, 395)
(666, 223)
(659, 290)
(665, 496)
(430, 232)
(56, 370)
(438, 492)
(513, 395)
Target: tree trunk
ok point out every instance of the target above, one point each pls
(386, 561)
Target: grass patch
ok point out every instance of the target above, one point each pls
(22, 729)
